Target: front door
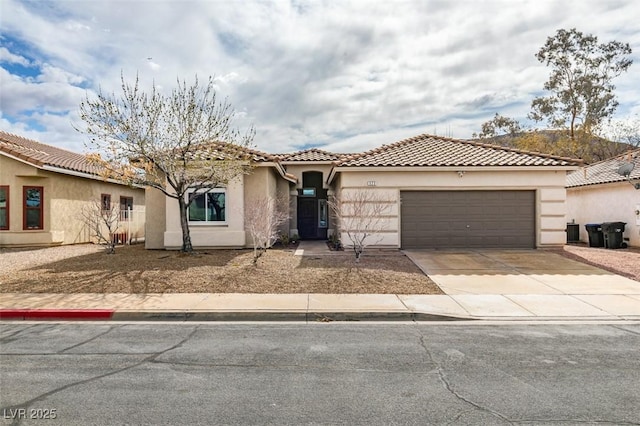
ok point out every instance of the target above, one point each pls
(308, 218)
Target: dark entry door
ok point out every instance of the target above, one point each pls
(308, 217)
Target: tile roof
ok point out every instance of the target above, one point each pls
(436, 151)
(39, 154)
(222, 150)
(312, 154)
(605, 171)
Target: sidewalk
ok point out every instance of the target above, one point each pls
(471, 295)
(318, 307)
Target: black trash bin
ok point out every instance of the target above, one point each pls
(596, 239)
(612, 233)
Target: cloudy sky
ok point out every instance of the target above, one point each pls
(342, 75)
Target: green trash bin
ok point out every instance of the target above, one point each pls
(612, 233)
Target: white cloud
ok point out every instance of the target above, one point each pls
(8, 57)
(343, 75)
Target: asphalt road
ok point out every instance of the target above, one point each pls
(336, 373)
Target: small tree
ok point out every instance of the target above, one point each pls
(263, 217)
(183, 144)
(103, 223)
(361, 215)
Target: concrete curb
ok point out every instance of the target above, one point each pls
(221, 316)
(57, 314)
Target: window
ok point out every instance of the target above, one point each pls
(33, 213)
(308, 192)
(126, 206)
(105, 202)
(323, 213)
(208, 207)
(4, 207)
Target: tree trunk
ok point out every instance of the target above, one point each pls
(184, 223)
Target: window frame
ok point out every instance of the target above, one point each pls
(105, 202)
(204, 192)
(25, 208)
(6, 207)
(124, 212)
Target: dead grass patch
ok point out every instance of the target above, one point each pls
(136, 270)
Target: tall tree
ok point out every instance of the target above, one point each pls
(183, 143)
(581, 81)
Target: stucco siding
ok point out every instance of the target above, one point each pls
(64, 198)
(227, 234)
(156, 217)
(549, 186)
(614, 202)
(298, 169)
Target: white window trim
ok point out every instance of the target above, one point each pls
(207, 191)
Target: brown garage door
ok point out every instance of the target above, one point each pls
(468, 219)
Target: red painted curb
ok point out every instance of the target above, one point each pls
(56, 314)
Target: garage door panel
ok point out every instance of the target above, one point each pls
(458, 219)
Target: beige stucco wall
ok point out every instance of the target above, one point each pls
(613, 202)
(64, 198)
(156, 213)
(228, 234)
(548, 184)
(262, 181)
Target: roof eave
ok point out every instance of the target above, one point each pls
(342, 168)
(280, 170)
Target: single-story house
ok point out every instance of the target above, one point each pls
(44, 189)
(600, 193)
(441, 193)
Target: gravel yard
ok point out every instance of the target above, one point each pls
(625, 262)
(87, 269)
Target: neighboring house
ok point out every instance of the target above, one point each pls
(43, 190)
(597, 193)
(442, 193)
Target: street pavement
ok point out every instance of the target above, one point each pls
(478, 285)
(192, 373)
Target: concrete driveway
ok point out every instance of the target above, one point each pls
(522, 282)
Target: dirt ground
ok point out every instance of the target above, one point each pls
(87, 269)
(136, 270)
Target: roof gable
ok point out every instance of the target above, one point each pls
(39, 154)
(436, 151)
(312, 154)
(605, 171)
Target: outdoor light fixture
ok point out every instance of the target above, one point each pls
(461, 173)
(625, 170)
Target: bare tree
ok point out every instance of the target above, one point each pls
(183, 144)
(103, 223)
(263, 217)
(361, 215)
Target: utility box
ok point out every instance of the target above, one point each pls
(573, 233)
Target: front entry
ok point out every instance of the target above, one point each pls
(312, 208)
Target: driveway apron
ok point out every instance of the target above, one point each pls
(528, 282)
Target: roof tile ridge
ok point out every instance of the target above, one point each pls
(25, 139)
(578, 161)
(632, 152)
